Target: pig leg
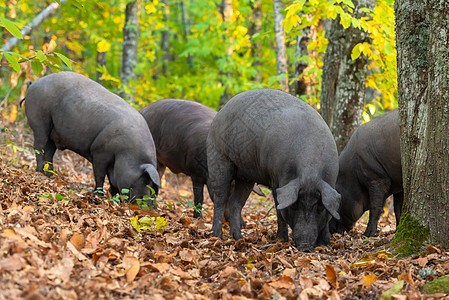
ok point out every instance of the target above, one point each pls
(282, 233)
(198, 193)
(100, 170)
(398, 199)
(237, 200)
(377, 196)
(221, 171)
(44, 146)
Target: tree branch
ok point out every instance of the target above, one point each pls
(47, 12)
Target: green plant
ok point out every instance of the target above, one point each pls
(152, 224)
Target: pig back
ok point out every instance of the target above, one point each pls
(179, 129)
(82, 112)
(273, 137)
(377, 144)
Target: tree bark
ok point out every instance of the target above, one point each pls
(226, 11)
(186, 26)
(281, 56)
(41, 17)
(165, 39)
(253, 30)
(130, 39)
(422, 31)
(299, 86)
(344, 80)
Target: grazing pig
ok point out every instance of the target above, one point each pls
(179, 129)
(67, 110)
(370, 171)
(275, 139)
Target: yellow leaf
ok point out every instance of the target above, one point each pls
(368, 279)
(103, 46)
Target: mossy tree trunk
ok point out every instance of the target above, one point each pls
(130, 40)
(344, 79)
(422, 31)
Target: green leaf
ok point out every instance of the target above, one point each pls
(64, 59)
(41, 56)
(11, 27)
(37, 67)
(395, 289)
(13, 62)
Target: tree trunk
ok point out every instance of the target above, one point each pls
(130, 39)
(101, 61)
(186, 26)
(253, 30)
(42, 16)
(344, 80)
(422, 31)
(165, 39)
(226, 13)
(299, 86)
(281, 56)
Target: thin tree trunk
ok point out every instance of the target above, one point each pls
(226, 12)
(423, 87)
(42, 16)
(299, 86)
(281, 56)
(344, 80)
(255, 29)
(165, 39)
(130, 39)
(186, 27)
(101, 61)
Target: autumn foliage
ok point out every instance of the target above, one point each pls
(60, 241)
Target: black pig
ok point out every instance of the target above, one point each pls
(275, 139)
(179, 129)
(370, 171)
(67, 110)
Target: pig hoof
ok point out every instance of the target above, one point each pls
(369, 232)
(237, 235)
(217, 232)
(196, 214)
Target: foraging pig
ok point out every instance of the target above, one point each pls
(179, 129)
(67, 110)
(275, 139)
(370, 171)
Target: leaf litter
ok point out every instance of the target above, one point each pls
(58, 240)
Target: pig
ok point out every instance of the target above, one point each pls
(179, 129)
(277, 140)
(67, 110)
(369, 172)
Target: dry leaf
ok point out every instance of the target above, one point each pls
(331, 276)
(186, 255)
(132, 267)
(78, 254)
(285, 282)
(77, 241)
(368, 279)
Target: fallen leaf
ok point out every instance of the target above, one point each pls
(12, 263)
(331, 275)
(132, 267)
(78, 254)
(395, 289)
(367, 280)
(77, 241)
(186, 255)
(285, 282)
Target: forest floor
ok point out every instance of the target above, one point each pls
(60, 241)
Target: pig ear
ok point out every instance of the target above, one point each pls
(152, 172)
(330, 199)
(258, 190)
(287, 195)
